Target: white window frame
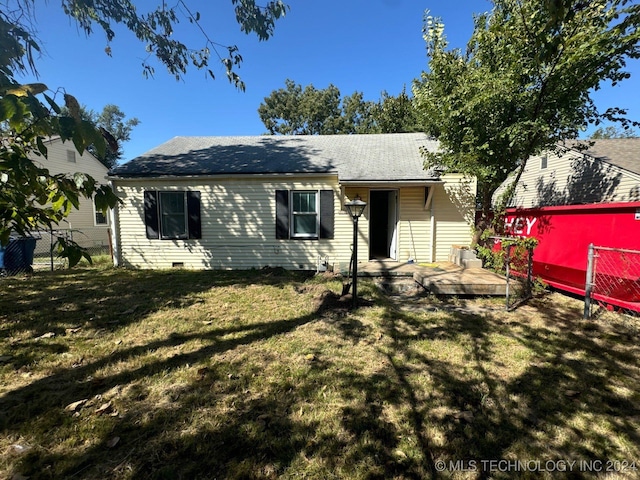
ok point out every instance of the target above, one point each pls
(95, 216)
(544, 160)
(293, 214)
(161, 216)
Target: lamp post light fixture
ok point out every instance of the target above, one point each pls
(355, 208)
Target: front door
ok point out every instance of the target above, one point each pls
(383, 224)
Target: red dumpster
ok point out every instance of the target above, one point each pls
(564, 234)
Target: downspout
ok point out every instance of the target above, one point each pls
(432, 219)
(115, 231)
(433, 235)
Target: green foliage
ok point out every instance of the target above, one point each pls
(155, 30)
(613, 132)
(111, 122)
(30, 196)
(524, 243)
(296, 111)
(523, 84)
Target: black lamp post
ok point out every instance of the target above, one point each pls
(355, 208)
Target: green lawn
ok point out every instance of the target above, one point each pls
(267, 374)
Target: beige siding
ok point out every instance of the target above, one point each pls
(238, 225)
(81, 221)
(571, 179)
(453, 209)
(414, 226)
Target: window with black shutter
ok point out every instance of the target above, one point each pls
(304, 214)
(171, 215)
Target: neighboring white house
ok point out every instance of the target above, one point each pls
(89, 228)
(608, 171)
(251, 202)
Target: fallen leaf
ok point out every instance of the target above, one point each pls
(571, 393)
(113, 442)
(466, 415)
(104, 408)
(72, 330)
(399, 453)
(46, 335)
(19, 449)
(72, 407)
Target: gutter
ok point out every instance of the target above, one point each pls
(391, 183)
(223, 176)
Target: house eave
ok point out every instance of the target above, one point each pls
(391, 183)
(222, 176)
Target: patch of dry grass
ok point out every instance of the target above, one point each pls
(179, 374)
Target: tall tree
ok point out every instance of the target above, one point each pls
(114, 121)
(613, 132)
(296, 111)
(396, 114)
(524, 83)
(111, 121)
(29, 195)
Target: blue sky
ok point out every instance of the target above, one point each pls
(363, 45)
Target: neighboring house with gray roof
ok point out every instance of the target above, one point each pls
(251, 202)
(607, 171)
(86, 225)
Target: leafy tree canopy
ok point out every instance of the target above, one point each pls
(111, 122)
(294, 110)
(524, 82)
(613, 132)
(31, 197)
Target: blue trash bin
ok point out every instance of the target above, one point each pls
(2, 248)
(18, 255)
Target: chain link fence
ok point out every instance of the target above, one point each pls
(613, 281)
(37, 252)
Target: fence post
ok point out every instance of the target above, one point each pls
(507, 270)
(588, 285)
(529, 272)
(51, 247)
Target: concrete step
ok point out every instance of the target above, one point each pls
(472, 263)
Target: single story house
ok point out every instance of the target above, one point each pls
(256, 201)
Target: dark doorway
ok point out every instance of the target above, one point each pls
(383, 206)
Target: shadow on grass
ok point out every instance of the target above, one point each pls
(574, 398)
(112, 298)
(405, 390)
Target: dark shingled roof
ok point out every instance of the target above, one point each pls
(621, 152)
(379, 157)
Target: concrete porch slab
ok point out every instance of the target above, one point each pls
(441, 278)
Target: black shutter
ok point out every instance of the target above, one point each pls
(327, 214)
(193, 210)
(282, 214)
(151, 214)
